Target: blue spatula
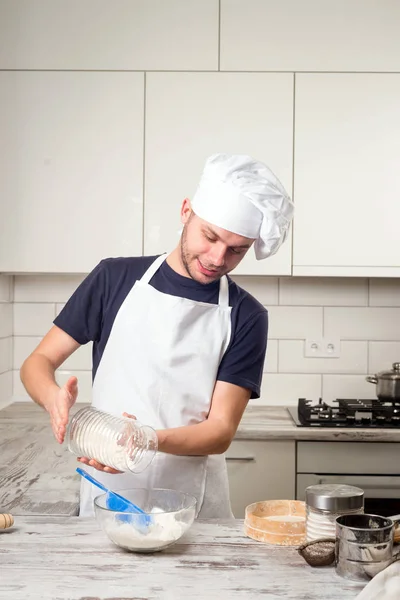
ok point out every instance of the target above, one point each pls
(117, 502)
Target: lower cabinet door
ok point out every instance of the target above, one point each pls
(260, 470)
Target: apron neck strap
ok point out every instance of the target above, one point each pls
(223, 299)
(153, 268)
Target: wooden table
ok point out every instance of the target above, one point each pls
(37, 475)
(60, 558)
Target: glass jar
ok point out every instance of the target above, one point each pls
(118, 442)
(326, 502)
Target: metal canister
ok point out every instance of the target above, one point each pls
(326, 502)
(364, 545)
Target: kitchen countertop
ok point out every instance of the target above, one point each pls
(37, 475)
(258, 423)
(70, 558)
(275, 423)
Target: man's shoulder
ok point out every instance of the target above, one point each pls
(248, 304)
(132, 266)
(129, 262)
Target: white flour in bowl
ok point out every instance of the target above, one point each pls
(158, 534)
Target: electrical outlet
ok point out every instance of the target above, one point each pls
(322, 348)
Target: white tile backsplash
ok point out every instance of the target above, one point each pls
(6, 339)
(350, 323)
(6, 319)
(5, 354)
(81, 360)
(45, 288)
(294, 322)
(353, 359)
(285, 389)
(33, 319)
(265, 289)
(6, 388)
(322, 291)
(346, 386)
(384, 292)
(382, 355)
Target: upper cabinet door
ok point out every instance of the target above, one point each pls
(71, 169)
(122, 35)
(190, 116)
(347, 175)
(310, 35)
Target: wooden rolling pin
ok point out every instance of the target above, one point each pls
(397, 535)
(396, 519)
(6, 521)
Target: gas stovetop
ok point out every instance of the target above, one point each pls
(346, 413)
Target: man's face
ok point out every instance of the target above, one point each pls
(209, 252)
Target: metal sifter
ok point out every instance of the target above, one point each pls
(363, 546)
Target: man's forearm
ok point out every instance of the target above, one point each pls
(37, 375)
(208, 437)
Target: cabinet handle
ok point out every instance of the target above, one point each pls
(242, 458)
(380, 486)
(365, 484)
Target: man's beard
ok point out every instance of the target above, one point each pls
(185, 253)
(186, 259)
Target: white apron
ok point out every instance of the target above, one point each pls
(160, 364)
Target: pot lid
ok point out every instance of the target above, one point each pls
(393, 374)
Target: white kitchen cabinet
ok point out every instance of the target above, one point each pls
(71, 169)
(190, 116)
(311, 35)
(372, 466)
(346, 175)
(260, 470)
(366, 458)
(103, 35)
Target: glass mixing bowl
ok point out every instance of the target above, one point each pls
(169, 514)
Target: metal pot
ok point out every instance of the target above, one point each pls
(387, 383)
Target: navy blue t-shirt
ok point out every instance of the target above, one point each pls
(90, 312)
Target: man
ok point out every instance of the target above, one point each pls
(175, 342)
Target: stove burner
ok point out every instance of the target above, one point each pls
(347, 413)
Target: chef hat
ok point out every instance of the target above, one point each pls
(243, 196)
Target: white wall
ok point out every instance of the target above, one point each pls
(6, 340)
(174, 36)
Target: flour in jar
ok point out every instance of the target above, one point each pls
(156, 535)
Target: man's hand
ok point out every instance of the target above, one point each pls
(93, 463)
(99, 466)
(59, 405)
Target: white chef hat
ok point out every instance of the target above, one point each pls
(243, 196)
